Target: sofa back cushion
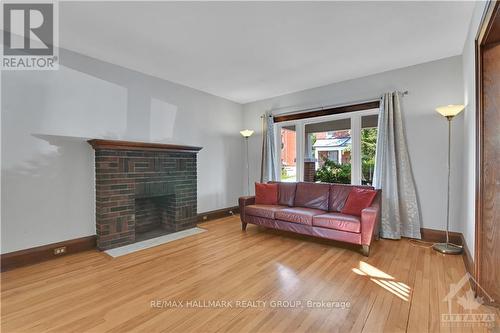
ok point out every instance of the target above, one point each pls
(287, 194)
(339, 194)
(312, 195)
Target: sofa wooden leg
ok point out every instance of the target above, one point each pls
(243, 226)
(365, 250)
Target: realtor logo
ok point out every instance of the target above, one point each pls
(470, 303)
(29, 36)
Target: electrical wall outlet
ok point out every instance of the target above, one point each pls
(231, 212)
(205, 217)
(60, 250)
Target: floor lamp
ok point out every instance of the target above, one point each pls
(448, 111)
(246, 134)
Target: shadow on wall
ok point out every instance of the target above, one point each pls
(223, 191)
(47, 116)
(141, 110)
(40, 193)
(47, 165)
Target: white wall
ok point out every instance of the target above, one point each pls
(47, 166)
(469, 171)
(430, 85)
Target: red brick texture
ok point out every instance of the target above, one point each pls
(309, 171)
(137, 190)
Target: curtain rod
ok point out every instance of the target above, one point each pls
(403, 93)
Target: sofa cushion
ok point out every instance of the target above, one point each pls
(358, 200)
(338, 221)
(287, 194)
(266, 211)
(266, 194)
(338, 197)
(312, 195)
(298, 215)
(339, 194)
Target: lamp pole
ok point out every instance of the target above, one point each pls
(448, 248)
(246, 134)
(448, 189)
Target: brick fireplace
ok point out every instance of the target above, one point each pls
(143, 190)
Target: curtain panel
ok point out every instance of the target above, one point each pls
(268, 161)
(393, 173)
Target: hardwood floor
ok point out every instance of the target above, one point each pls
(400, 287)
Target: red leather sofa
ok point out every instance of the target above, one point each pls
(314, 209)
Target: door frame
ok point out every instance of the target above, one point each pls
(492, 11)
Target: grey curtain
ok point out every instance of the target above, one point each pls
(393, 174)
(268, 162)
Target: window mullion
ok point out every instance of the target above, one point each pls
(300, 146)
(356, 149)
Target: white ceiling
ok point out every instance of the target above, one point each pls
(247, 51)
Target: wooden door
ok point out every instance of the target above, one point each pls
(487, 254)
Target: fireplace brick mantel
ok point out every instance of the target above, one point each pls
(131, 177)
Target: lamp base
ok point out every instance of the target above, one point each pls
(447, 248)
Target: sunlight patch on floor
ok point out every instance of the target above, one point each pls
(287, 276)
(383, 280)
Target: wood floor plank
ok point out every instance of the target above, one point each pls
(400, 287)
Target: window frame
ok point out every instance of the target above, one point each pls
(300, 125)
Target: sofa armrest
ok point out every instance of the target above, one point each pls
(243, 202)
(370, 221)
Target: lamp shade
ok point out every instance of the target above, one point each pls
(246, 133)
(450, 110)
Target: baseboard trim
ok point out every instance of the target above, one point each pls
(217, 214)
(435, 236)
(45, 252)
(38, 254)
(468, 261)
(438, 236)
